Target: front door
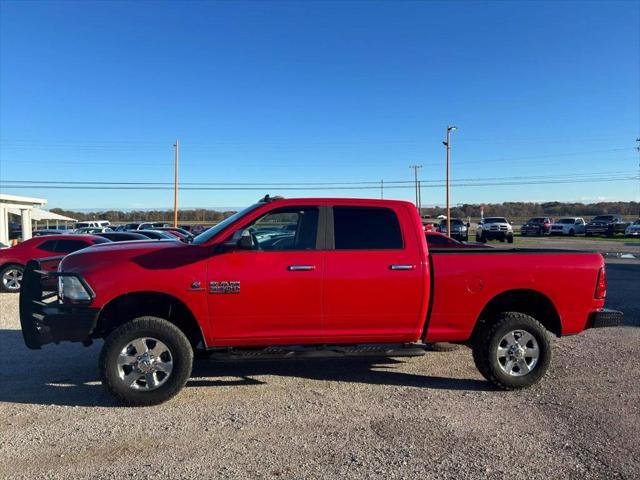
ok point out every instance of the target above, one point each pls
(273, 293)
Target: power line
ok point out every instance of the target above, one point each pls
(329, 183)
(327, 187)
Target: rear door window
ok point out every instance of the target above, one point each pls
(365, 228)
(48, 246)
(68, 246)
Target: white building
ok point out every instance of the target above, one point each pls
(28, 210)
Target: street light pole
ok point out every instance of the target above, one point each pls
(415, 176)
(447, 144)
(175, 187)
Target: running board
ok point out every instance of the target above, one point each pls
(324, 351)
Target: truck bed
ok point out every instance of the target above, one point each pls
(466, 280)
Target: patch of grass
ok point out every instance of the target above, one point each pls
(620, 239)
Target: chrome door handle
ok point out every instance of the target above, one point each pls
(402, 267)
(299, 268)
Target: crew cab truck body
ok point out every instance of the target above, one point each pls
(290, 277)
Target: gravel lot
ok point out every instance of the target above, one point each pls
(432, 416)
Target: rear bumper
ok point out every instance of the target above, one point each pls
(45, 319)
(606, 318)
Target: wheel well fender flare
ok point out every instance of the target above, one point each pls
(128, 306)
(527, 301)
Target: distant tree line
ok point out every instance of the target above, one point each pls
(506, 209)
(199, 215)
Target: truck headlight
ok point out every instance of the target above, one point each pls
(72, 289)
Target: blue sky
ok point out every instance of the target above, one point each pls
(266, 92)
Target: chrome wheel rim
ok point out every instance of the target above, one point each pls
(12, 279)
(145, 364)
(518, 353)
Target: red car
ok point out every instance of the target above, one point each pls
(307, 277)
(13, 260)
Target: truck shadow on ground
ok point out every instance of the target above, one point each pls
(67, 374)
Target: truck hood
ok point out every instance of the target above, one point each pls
(151, 255)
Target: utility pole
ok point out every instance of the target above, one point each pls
(175, 186)
(381, 189)
(420, 197)
(447, 144)
(638, 149)
(415, 176)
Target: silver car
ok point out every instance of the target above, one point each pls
(633, 230)
(568, 226)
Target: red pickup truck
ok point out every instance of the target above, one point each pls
(296, 277)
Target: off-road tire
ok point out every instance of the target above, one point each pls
(153, 327)
(485, 345)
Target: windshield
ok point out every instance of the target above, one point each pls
(213, 231)
(567, 221)
(536, 220)
(603, 218)
(454, 221)
(637, 222)
(495, 220)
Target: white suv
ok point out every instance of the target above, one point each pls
(494, 228)
(568, 226)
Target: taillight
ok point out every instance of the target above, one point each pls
(601, 284)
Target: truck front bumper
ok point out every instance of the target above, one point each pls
(44, 318)
(606, 318)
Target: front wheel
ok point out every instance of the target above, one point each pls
(145, 361)
(514, 352)
(11, 278)
(510, 239)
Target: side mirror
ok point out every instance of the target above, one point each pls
(246, 240)
(242, 240)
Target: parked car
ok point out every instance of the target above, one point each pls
(13, 260)
(536, 226)
(92, 224)
(430, 225)
(151, 225)
(126, 227)
(568, 226)
(122, 236)
(494, 228)
(39, 233)
(93, 230)
(155, 234)
(633, 230)
(181, 233)
(440, 240)
(459, 229)
(606, 225)
(356, 278)
(15, 230)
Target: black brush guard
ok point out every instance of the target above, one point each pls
(43, 317)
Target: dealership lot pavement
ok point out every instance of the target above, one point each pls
(432, 416)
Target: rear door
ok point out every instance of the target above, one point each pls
(374, 280)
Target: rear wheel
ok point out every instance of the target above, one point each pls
(572, 232)
(514, 352)
(11, 278)
(145, 361)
